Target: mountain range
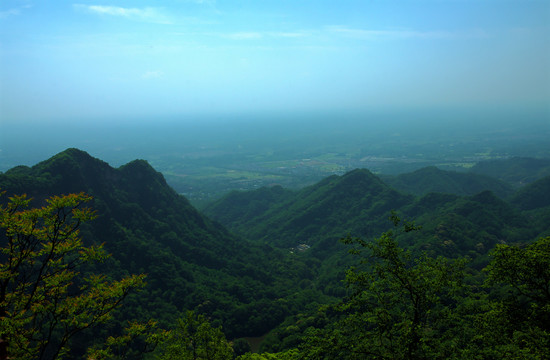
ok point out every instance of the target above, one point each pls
(251, 259)
(190, 260)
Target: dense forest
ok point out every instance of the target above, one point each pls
(425, 265)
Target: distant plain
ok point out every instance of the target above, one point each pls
(204, 158)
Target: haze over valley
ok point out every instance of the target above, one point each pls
(204, 158)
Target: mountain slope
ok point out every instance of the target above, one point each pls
(469, 225)
(533, 196)
(358, 203)
(534, 200)
(238, 206)
(326, 211)
(249, 286)
(431, 179)
(134, 196)
(516, 171)
(148, 228)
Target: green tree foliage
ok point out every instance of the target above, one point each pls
(518, 323)
(432, 179)
(149, 228)
(401, 301)
(44, 299)
(526, 269)
(326, 210)
(516, 171)
(533, 196)
(291, 354)
(396, 307)
(137, 340)
(241, 346)
(195, 339)
(404, 307)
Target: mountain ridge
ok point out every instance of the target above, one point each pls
(517, 171)
(292, 221)
(149, 228)
(432, 179)
(257, 266)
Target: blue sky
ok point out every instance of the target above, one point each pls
(107, 59)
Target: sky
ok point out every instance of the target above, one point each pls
(104, 60)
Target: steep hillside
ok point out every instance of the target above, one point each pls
(237, 207)
(190, 260)
(286, 258)
(457, 226)
(515, 171)
(533, 196)
(534, 200)
(431, 179)
(357, 202)
(134, 197)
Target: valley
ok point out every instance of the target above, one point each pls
(262, 262)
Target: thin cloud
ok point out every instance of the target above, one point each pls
(4, 14)
(254, 35)
(243, 36)
(400, 33)
(147, 14)
(154, 74)
(12, 12)
(288, 34)
(210, 3)
(206, 2)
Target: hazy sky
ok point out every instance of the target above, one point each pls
(118, 58)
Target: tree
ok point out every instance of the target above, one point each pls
(44, 299)
(526, 269)
(241, 347)
(291, 354)
(137, 340)
(518, 323)
(402, 307)
(396, 307)
(195, 339)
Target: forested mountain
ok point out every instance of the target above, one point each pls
(465, 226)
(359, 203)
(356, 202)
(517, 171)
(533, 196)
(239, 206)
(283, 258)
(190, 261)
(432, 179)
(534, 200)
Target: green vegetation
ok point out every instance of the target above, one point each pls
(45, 300)
(470, 280)
(399, 307)
(190, 261)
(404, 307)
(432, 179)
(194, 338)
(516, 171)
(356, 202)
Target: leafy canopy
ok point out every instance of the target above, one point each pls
(44, 299)
(395, 304)
(194, 338)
